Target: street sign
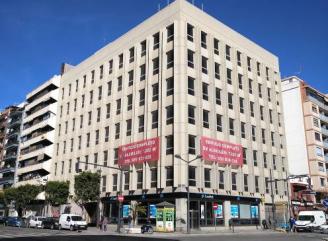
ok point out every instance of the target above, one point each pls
(120, 198)
(215, 206)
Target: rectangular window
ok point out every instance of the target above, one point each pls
(250, 86)
(155, 66)
(118, 106)
(95, 160)
(203, 37)
(82, 102)
(241, 105)
(221, 179)
(270, 116)
(106, 133)
(76, 85)
(231, 127)
(192, 176)
(257, 189)
(255, 158)
(91, 97)
(126, 181)
(218, 96)
(317, 136)
(72, 144)
(207, 177)
(217, 70)
(263, 135)
(105, 158)
(156, 41)
(117, 131)
(239, 58)
(109, 88)
(206, 119)
(89, 117)
(233, 181)
(265, 160)
(114, 182)
(269, 94)
(253, 133)
(119, 83)
(131, 74)
(84, 81)
(190, 58)
(153, 177)
(205, 91)
(104, 183)
(191, 144)
(260, 90)
(115, 156)
(131, 55)
(267, 185)
(101, 72)
(142, 72)
(155, 92)
(80, 142)
(169, 86)
(242, 129)
(62, 167)
(110, 66)
(120, 61)
(143, 48)
(262, 112)
(228, 52)
(249, 68)
(245, 182)
(98, 114)
(128, 127)
(274, 162)
(67, 109)
(139, 179)
(251, 105)
(170, 59)
(154, 117)
(230, 101)
(75, 104)
(86, 165)
(92, 76)
(169, 176)
(258, 68)
(267, 73)
(169, 145)
(141, 119)
(244, 155)
(216, 46)
(191, 86)
(108, 110)
(142, 97)
(130, 100)
(191, 114)
(64, 147)
(272, 139)
(240, 81)
(73, 124)
(97, 137)
(219, 122)
(229, 78)
(169, 115)
(204, 65)
(190, 32)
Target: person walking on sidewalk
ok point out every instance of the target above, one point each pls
(100, 223)
(104, 224)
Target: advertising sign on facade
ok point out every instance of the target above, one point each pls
(126, 211)
(139, 152)
(254, 211)
(152, 211)
(234, 211)
(219, 212)
(221, 152)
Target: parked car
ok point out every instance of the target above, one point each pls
(3, 220)
(35, 222)
(50, 222)
(323, 228)
(72, 222)
(310, 220)
(14, 221)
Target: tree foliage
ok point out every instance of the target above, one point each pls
(22, 195)
(86, 187)
(56, 192)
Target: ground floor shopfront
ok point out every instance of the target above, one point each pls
(206, 210)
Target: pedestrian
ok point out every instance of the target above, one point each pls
(104, 224)
(291, 224)
(264, 224)
(100, 223)
(129, 220)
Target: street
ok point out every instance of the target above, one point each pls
(21, 234)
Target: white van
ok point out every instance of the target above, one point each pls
(310, 220)
(72, 222)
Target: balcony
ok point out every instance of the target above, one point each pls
(325, 144)
(11, 145)
(324, 118)
(6, 180)
(9, 156)
(15, 122)
(39, 167)
(38, 137)
(36, 151)
(7, 169)
(324, 131)
(319, 103)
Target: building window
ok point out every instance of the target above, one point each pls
(110, 66)
(153, 177)
(269, 94)
(128, 127)
(120, 61)
(169, 86)
(262, 112)
(130, 99)
(263, 135)
(317, 136)
(207, 177)
(233, 181)
(103, 181)
(267, 73)
(191, 144)
(272, 139)
(97, 137)
(95, 160)
(203, 37)
(143, 48)
(109, 88)
(204, 65)
(221, 179)
(190, 58)
(245, 182)
(240, 81)
(118, 106)
(84, 81)
(192, 176)
(154, 117)
(72, 144)
(117, 130)
(191, 86)
(64, 148)
(88, 140)
(169, 114)
(227, 52)
(139, 179)
(101, 72)
(249, 68)
(106, 133)
(244, 155)
(92, 76)
(265, 160)
(231, 127)
(155, 92)
(119, 83)
(115, 156)
(238, 58)
(91, 97)
(105, 158)
(251, 105)
(255, 158)
(75, 104)
(191, 114)
(169, 176)
(216, 46)
(89, 117)
(190, 32)
(155, 66)
(206, 119)
(322, 182)
(218, 96)
(219, 122)
(316, 122)
(205, 91)
(131, 53)
(314, 109)
(142, 72)
(270, 116)
(73, 124)
(274, 162)
(230, 101)
(141, 123)
(241, 105)
(98, 114)
(253, 133)
(169, 145)
(82, 102)
(62, 167)
(126, 180)
(156, 41)
(242, 130)
(260, 90)
(266, 185)
(229, 78)
(258, 68)
(142, 97)
(257, 189)
(108, 110)
(80, 142)
(217, 70)
(114, 182)
(131, 74)
(170, 59)
(86, 165)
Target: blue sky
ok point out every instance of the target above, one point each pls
(36, 36)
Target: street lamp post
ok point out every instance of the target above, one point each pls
(188, 191)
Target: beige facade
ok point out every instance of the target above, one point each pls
(179, 75)
(314, 117)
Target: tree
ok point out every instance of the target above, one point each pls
(56, 192)
(86, 187)
(137, 208)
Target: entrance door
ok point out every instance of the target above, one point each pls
(194, 215)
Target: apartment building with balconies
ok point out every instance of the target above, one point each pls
(37, 137)
(306, 121)
(10, 129)
(180, 83)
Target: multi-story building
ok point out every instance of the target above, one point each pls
(10, 128)
(37, 137)
(306, 121)
(175, 80)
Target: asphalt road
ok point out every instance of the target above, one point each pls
(25, 234)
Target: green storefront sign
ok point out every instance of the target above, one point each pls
(165, 220)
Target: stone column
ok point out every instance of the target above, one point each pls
(227, 214)
(181, 214)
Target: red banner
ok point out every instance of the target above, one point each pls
(139, 152)
(222, 152)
